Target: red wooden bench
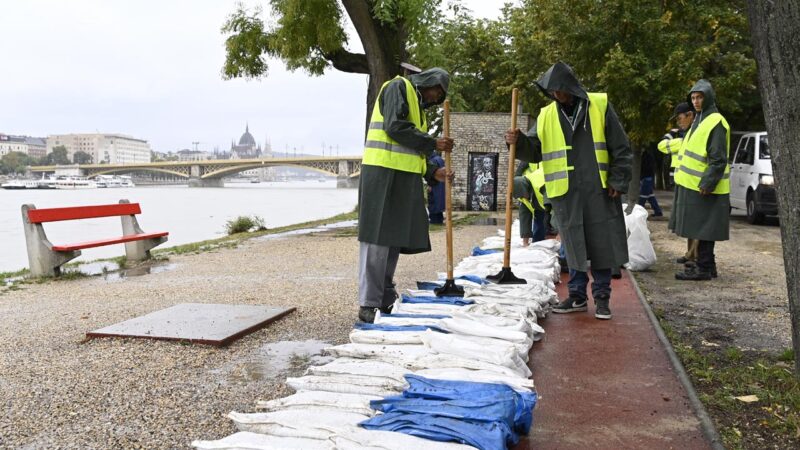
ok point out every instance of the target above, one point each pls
(46, 259)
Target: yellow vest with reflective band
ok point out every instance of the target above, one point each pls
(693, 156)
(554, 146)
(671, 147)
(535, 175)
(383, 151)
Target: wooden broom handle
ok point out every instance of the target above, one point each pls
(447, 194)
(512, 156)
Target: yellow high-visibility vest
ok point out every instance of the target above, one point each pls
(554, 146)
(383, 151)
(671, 146)
(693, 156)
(535, 175)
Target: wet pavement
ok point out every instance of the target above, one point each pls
(608, 384)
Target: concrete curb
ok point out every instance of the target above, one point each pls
(709, 430)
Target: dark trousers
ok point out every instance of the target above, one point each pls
(646, 194)
(436, 217)
(705, 256)
(539, 229)
(601, 283)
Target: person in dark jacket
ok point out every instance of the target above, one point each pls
(647, 182)
(436, 193)
(587, 165)
(391, 215)
(701, 207)
(532, 207)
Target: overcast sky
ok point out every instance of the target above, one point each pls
(151, 69)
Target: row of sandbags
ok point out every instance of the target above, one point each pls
(435, 370)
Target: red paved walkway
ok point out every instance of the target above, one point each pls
(608, 384)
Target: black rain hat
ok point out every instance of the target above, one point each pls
(681, 108)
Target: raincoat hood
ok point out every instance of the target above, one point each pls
(560, 77)
(709, 99)
(430, 78)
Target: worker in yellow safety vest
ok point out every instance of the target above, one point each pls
(529, 190)
(701, 207)
(392, 218)
(586, 160)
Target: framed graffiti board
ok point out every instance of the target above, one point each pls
(482, 182)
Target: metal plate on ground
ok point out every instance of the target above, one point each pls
(202, 323)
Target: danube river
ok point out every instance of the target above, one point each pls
(188, 214)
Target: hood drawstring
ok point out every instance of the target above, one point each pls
(586, 115)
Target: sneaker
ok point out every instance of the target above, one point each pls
(616, 273)
(682, 260)
(693, 273)
(602, 310)
(571, 304)
(387, 309)
(366, 314)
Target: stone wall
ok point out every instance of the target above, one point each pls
(481, 132)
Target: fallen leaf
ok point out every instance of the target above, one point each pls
(709, 344)
(747, 398)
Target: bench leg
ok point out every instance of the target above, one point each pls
(137, 250)
(42, 260)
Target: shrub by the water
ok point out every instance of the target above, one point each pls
(243, 224)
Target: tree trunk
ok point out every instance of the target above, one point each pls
(774, 27)
(384, 45)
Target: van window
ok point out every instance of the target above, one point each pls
(741, 154)
(763, 148)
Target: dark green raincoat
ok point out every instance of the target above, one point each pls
(391, 202)
(695, 216)
(591, 224)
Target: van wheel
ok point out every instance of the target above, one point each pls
(754, 216)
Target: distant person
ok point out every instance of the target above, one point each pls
(647, 182)
(528, 187)
(702, 198)
(670, 144)
(586, 160)
(391, 208)
(436, 194)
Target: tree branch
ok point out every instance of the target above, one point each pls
(348, 62)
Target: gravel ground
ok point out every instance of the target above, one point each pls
(746, 307)
(59, 390)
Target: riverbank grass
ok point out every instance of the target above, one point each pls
(754, 396)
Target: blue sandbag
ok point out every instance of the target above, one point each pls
(483, 435)
(445, 300)
(477, 251)
(524, 402)
(386, 327)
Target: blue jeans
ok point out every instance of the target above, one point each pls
(539, 231)
(601, 283)
(646, 194)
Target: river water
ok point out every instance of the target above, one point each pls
(188, 214)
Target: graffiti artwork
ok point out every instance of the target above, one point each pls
(482, 187)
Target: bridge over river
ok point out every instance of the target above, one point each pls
(210, 173)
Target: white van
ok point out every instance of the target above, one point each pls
(752, 184)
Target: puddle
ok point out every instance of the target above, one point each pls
(138, 271)
(95, 268)
(319, 229)
(275, 359)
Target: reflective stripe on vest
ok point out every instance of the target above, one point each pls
(554, 146)
(383, 151)
(535, 175)
(671, 147)
(693, 156)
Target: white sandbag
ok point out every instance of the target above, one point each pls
(360, 367)
(522, 348)
(255, 441)
(447, 361)
(385, 337)
(356, 438)
(386, 353)
(480, 376)
(465, 326)
(501, 353)
(641, 255)
(334, 401)
(348, 384)
(297, 423)
(403, 321)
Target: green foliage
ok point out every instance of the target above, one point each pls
(243, 224)
(15, 162)
(81, 157)
(57, 156)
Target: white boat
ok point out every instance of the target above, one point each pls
(113, 181)
(21, 184)
(70, 183)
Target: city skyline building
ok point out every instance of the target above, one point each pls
(110, 148)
